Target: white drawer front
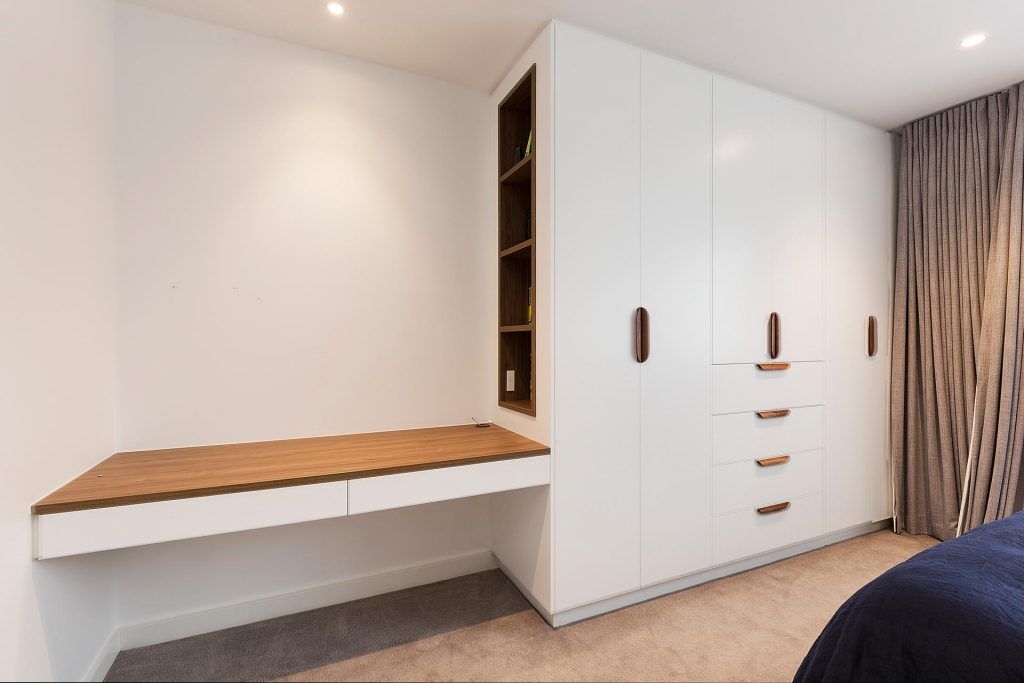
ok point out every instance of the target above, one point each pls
(743, 388)
(744, 485)
(89, 531)
(429, 486)
(747, 532)
(745, 436)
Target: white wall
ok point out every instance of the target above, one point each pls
(300, 240)
(57, 303)
(304, 249)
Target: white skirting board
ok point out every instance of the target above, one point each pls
(238, 614)
(101, 664)
(657, 590)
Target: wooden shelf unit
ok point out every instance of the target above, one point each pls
(517, 257)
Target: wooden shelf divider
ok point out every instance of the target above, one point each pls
(520, 173)
(517, 257)
(518, 250)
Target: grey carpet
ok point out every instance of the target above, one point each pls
(754, 626)
(287, 645)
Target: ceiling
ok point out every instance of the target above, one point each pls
(881, 61)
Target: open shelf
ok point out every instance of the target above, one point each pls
(516, 358)
(517, 257)
(519, 406)
(516, 285)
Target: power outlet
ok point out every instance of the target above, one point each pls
(510, 380)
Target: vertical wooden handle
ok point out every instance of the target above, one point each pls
(774, 335)
(872, 336)
(642, 335)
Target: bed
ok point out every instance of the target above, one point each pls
(952, 612)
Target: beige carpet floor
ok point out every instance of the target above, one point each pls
(754, 626)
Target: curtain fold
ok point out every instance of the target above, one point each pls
(995, 485)
(957, 325)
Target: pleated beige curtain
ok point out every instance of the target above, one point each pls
(958, 327)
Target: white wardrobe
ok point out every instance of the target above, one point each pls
(756, 232)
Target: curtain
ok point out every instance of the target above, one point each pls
(957, 328)
(995, 487)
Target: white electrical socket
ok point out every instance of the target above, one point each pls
(510, 380)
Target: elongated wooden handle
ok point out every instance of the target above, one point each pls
(772, 367)
(642, 332)
(772, 509)
(773, 414)
(772, 462)
(872, 336)
(774, 335)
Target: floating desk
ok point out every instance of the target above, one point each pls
(147, 497)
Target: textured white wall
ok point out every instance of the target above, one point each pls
(304, 249)
(57, 304)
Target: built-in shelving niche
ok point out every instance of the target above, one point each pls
(517, 259)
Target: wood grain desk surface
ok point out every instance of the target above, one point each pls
(175, 473)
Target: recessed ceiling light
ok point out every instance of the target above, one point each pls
(972, 40)
(335, 8)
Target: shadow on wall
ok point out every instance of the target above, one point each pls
(73, 603)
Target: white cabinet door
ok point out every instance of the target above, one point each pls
(859, 264)
(768, 232)
(596, 290)
(676, 290)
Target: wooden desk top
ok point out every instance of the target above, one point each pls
(148, 476)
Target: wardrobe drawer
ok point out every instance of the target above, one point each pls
(743, 388)
(748, 532)
(748, 436)
(750, 484)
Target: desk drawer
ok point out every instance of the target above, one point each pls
(748, 484)
(88, 531)
(747, 532)
(461, 481)
(747, 436)
(745, 388)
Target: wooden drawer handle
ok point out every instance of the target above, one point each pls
(773, 414)
(772, 462)
(772, 367)
(772, 509)
(872, 336)
(642, 335)
(774, 335)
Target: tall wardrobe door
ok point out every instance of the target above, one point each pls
(768, 232)
(675, 381)
(859, 265)
(597, 291)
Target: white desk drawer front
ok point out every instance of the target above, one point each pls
(744, 388)
(430, 486)
(747, 436)
(747, 532)
(89, 531)
(744, 485)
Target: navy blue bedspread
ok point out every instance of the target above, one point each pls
(954, 612)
